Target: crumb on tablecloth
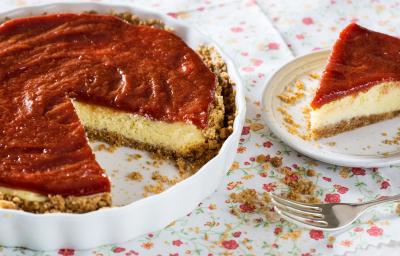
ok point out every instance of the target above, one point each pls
(136, 176)
(393, 141)
(276, 161)
(298, 188)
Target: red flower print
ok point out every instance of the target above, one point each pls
(231, 185)
(66, 252)
(375, 231)
(173, 15)
(236, 234)
(306, 254)
(237, 29)
(340, 189)
(118, 249)
(300, 36)
(327, 179)
(248, 69)
(246, 130)
(247, 207)
(269, 187)
(273, 46)
(316, 234)
(332, 198)
(277, 230)
(267, 144)
(358, 171)
(251, 2)
(230, 244)
(353, 20)
(174, 254)
(385, 185)
(358, 229)
(308, 21)
(263, 174)
(291, 178)
(256, 62)
(177, 242)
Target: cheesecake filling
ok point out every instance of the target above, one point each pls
(177, 136)
(379, 99)
(23, 194)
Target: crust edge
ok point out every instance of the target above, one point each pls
(351, 124)
(57, 203)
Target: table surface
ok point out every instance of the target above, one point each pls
(260, 36)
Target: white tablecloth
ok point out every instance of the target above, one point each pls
(260, 36)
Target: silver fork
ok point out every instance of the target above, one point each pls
(327, 217)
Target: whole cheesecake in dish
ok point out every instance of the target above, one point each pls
(123, 83)
(360, 84)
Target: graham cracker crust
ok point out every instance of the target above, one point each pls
(351, 124)
(57, 203)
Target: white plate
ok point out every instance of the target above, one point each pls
(361, 147)
(137, 215)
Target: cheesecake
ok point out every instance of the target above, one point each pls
(360, 84)
(67, 78)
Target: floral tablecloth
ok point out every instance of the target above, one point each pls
(260, 36)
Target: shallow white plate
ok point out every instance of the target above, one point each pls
(137, 215)
(361, 147)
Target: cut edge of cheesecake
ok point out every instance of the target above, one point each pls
(378, 103)
(188, 145)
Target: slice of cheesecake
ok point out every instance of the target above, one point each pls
(123, 83)
(360, 84)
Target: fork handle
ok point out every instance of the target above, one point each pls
(386, 199)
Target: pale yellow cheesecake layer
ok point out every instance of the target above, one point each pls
(177, 137)
(380, 99)
(23, 194)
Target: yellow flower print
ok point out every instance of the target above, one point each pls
(235, 166)
(346, 243)
(295, 234)
(147, 245)
(241, 149)
(248, 177)
(344, 173)
(256, 127)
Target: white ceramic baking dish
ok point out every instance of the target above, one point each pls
(118, 224)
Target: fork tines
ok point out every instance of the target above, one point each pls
(300, 213)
